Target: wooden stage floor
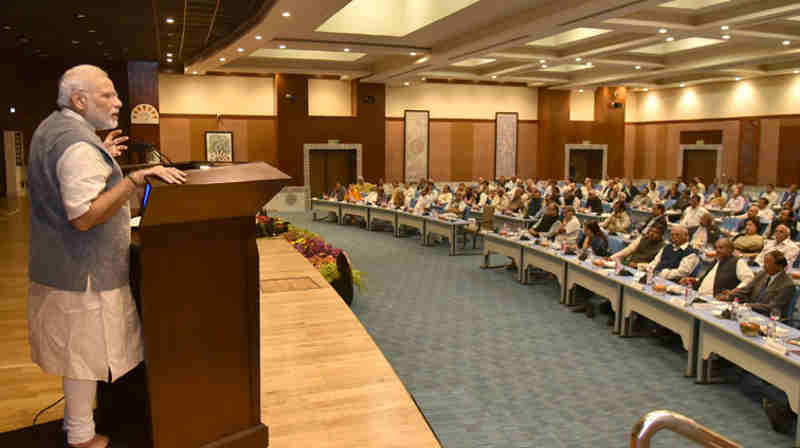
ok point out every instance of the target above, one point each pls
(324, 381)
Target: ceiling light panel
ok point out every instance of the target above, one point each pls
(315, 55)
(678, 45)
(565, 68)
(390, 17)
(567, 37)
(473, 62)
(692, 4)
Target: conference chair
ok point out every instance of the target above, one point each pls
(615, 244)
(484, 222)
(791, 313)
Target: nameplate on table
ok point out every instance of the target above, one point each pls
(775, 346)
(677, 301)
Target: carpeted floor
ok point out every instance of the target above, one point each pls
(493, 363)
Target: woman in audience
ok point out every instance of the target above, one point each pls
(514, 204)
(457, 205)
(398, 198)
(445, 196)
(749, 243)
(596, 240)
(619, 221)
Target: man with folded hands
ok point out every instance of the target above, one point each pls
(643, 249)
(706, 234)
(677, 259)
(727, 273)
(771, 289)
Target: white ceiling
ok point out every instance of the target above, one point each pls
(562, 44)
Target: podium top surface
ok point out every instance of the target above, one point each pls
(213, 193)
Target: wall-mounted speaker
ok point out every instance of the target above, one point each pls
(290, 97)
(616, 105)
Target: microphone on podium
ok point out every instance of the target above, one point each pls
(145, 147)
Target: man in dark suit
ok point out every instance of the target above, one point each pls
(771, 288)
(656, 218)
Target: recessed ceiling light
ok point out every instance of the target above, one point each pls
(6, 27)
(221, 59)
(12, 110)
(580, 90)
(724, 27)
(683, 85)
(638, 67)
(726, 36)
(169, 55)
(737, 78)
(578, 59)
(281, 46)
(787, 42)
(75, 42)
(91, 31)
(170, 20)
(494, 76)
(258, 37)
(80, 15)
(663, 31)
(406, 83)
(796, 71)
(589, 64)
(240, 50)
(169, 60)
(194, 72)
(542, 61)
(544, 65)
(646, 89)
(413, 53)
(347, 50)
(286, 14)
(424, 78)
(670, 39)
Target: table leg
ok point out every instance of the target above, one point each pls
(452, 240)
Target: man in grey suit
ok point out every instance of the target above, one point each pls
(771, 288)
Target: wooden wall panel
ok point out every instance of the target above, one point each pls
(483, 151)
(254, 138)
(554, 132)
(713, 137)
(439, 152)
(175, 136)
(609, 126)
(750, 138)
(262, 140)
(296, 128)
(461, 151)
(526, 151)
(394, 150)
(788, 155)
(768, 151)
(630, 151)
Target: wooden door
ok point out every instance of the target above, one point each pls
(700, 162)
(3, 191)
(585, 163)
(329, 167)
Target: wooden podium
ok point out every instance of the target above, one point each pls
(200, 306)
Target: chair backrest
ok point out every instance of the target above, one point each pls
(413, 203)
(730, 223)
(615, 244)
(791, 312)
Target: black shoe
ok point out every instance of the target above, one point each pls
(780, 417)
(610, 321)
(589, 310)
(578, 308)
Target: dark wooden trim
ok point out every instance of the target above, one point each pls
(461, 120)
(242, 74)
(748, 117)
(516, 142)
(427, 148)
(224, 116)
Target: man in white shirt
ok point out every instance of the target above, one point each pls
(781, 243)
(693, 213)
(737, 202)
(726, 274)
(765, 213)
(677, 259)
(771, 195)
(568, 230)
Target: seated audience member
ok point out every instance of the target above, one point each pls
(643, 249)
(657, 217)
(594, 204)
(781, 243)
(586, 187)
(717, 200)
(363, 187)
(338, 193)
(682, 202)
(445, 196)
(535, 202)
(785, 217)
(619, 221)
(749, 243)
(672, 193)
(752, 213)
(457, 205)
(727, 273)
(631, 191)
(677, 259)
(548, 223)
(701, 188)
(653, 193)
(568, 199)
(643, 199)
(569, 228)
(376, 196)
(770, 289)
(737, 202)
(790, 197)
(706, 235)
(765, 213)
(596, 240)
(515, 203)
(353, 194)
(771, 195)
(692, 213)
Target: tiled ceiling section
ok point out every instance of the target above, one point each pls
(552, 43)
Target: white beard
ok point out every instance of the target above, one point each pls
(100, 123)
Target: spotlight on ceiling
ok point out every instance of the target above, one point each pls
(787, 42)
(726, 36)
(169, 60)
(683, 85)
(80, 15)
(169, 55)
(258, 37)
(737, 78)
(406, 83)
(580, 90)
(221, 59)
(170, 20)
(281, 46)
(347, 50)
(724, 27)
(494, 76)
(663, 31)
(542, 61)
(240, 50)
(638, 67)
(578, 59)
(670, 39)
(413, 53)
(286, 14)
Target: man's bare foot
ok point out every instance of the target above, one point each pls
(99, 441)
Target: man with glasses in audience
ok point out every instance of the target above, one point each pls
(677, 259)
(785, 217)
(727, 273)
(771, 289)
(781, 243)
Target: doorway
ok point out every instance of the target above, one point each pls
(700, 163)
(585, 163)
(329, 167)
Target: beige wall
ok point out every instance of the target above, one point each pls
(226, 95)
(462, 101)
(778, 95)
(581, 105)
(329, 98)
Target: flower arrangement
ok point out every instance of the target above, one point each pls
(267, 226)
(321, 254)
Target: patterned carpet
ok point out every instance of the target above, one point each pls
(493, 363)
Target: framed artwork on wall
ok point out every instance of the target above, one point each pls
(416, 145)
(506, 125)
(219, 146)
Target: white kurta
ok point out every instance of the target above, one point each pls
(83, 335)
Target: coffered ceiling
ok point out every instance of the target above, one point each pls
(560, 44)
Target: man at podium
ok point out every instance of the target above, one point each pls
(83, 324)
